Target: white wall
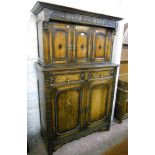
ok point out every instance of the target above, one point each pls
(118, 39)
(109, 7)
(125, 37)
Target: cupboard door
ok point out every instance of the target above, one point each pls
(99, 45)
(68, 106)
(99, 100)
(59, 43)
(81, 44)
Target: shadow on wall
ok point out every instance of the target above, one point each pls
(33, 120)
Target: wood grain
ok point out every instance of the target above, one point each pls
(119, 149)
(68, 107)
(69, 43)
(98, 103)
(75, 75)
(60, 45)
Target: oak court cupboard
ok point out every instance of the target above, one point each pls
(75, 75)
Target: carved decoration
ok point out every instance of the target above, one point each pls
(86, 76)
(112, 72)
(99, 47)
(60, 46)
(82, 19)
(45, 25)
(52, 79)
(82, 46)
(114, 33)
(68, 106)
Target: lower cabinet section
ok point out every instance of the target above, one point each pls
(74, 103)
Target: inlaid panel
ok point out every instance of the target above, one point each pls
(100, 46)
(99, 95)
(59, 41)
(67, 110)
(81, 43)
(60, 44)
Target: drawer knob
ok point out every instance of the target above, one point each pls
(68, 80)
(101, 76)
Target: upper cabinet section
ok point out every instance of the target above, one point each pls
(71, 36)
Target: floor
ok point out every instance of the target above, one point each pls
(93, 144)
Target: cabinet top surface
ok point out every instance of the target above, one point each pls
(75, 67)
(39, 6)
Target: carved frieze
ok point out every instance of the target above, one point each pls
(47, 14)
(59, 15)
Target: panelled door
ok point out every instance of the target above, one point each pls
(69, 43)
(99, 101)
(99, 44)
(59, 42)
(68, 104)
(78, 105)
(81, 44)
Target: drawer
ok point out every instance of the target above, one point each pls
(101, 74)
(84, 75)
(68, 77)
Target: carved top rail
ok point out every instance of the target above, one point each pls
(46, 12)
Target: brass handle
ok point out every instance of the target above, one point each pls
(68, 80)
(86, 76)
(101, 76)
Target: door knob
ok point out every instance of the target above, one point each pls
(68, 80)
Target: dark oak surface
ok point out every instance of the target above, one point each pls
(40, 5)
(75, 75)
(65, 43)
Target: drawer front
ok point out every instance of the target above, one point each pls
(68, 77)
(80, 75)
(101, 74)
